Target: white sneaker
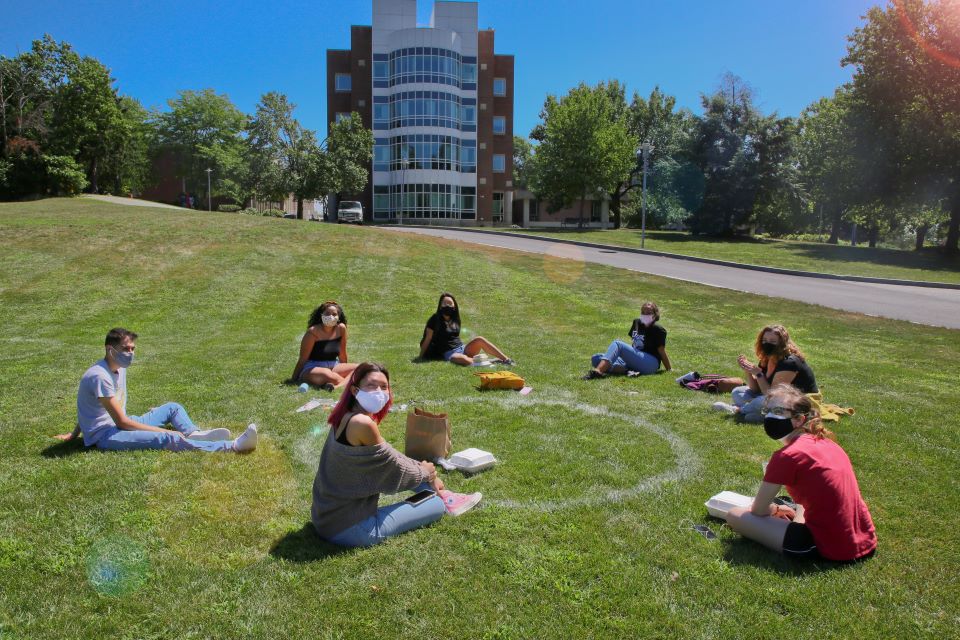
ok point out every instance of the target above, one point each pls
(211, 435)
(724, 406)
(247, 440)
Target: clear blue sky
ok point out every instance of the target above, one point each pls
(788, 51)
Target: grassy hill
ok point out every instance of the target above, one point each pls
(585, 526)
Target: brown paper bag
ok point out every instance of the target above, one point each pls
(428, 435)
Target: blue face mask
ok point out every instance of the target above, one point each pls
(123, 358)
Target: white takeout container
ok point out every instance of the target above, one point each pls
(472, 460)
(720, 504)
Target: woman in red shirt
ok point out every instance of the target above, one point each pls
(831, 520)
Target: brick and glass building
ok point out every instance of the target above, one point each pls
(440, 103)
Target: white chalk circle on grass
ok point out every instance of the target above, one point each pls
(686, 461)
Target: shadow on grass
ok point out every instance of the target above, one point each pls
(64, 449)
(929, 258)
(304, 545)
(740, 551)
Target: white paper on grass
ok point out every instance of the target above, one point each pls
(719, 505)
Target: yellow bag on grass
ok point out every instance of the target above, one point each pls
(500, 380)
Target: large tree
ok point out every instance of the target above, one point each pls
(907, 75)
(655, 120)
(745, 157)
(204, 130)
(62, 123)
(585, 149)
(87, 123)
(343, 168)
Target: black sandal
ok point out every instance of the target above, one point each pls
(593, 374)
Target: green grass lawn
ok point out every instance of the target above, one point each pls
(928, 265)
(584, 531)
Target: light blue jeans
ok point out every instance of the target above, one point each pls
(750, 403)
(623, 357)
(391, 520)
(171, 413)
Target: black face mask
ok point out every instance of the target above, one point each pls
(768, 348)
(446, 311)
(777, 428)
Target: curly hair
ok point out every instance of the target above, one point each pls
(317, 316)
(785, 346)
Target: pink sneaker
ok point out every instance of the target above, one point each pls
(459, 503)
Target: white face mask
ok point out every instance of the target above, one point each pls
(372, 401)
(646, 319)
(329, 321)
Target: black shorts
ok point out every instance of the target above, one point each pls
(798, 542)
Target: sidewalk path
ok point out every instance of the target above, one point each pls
(923, 305)
(133, 202)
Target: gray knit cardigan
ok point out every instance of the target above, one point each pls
(350, 480)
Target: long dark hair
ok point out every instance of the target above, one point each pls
(317, 316)
(456, 307)
(348, 402)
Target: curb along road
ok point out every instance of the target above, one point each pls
(723, 263)
(897, 299)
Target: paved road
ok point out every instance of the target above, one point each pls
(133, 202)
(936, 307)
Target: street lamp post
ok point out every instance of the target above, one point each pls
(208, 188)
(644, 153)
(403, 186)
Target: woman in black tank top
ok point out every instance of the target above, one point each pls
(323, 349)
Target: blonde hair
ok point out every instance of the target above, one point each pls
(801, 404)
(785, 347)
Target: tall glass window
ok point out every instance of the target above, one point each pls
(343, 82)
(499, 163)
(424, 109)
(425, 64)
(469, 72)
(497, 210)
(499, 125)
(424, 201)
(499, 86)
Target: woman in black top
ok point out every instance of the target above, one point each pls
(780, 362)
(323, 349)
(646, 353)
(441, 337)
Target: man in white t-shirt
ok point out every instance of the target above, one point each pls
(102, 411)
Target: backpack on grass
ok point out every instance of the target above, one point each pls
(500, 380)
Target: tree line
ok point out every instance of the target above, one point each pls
(65, 129)
(881, 155)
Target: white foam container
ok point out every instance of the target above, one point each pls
(720, 504)
(472, 460)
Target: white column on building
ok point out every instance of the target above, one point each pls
(526, 213)
(604, 213)
(508, 207)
